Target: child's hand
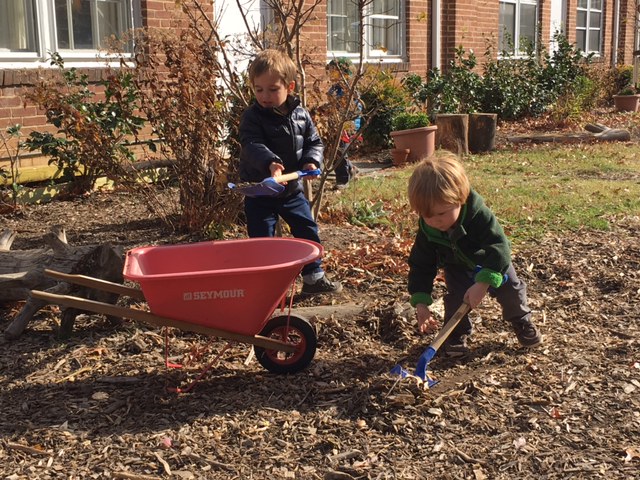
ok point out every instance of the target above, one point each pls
(475, 294)
(309, 166)
(426, 322)
(276, 169)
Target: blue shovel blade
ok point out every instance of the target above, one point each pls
(398, 370)
(263, 189)
(423, 361)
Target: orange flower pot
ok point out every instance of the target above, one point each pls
(421, 141)
(626, 103)
(399, 156)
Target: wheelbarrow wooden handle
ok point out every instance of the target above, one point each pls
(96, 283)
(155, 320)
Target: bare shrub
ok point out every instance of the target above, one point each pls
(185, 101)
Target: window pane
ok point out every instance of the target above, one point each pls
(386, 7)
(581, 19)
(337, 34)
(581, 36)
(73, 24)
(337, 7)
(385, 35)
(594, 40)
(88, 24)
(82, 28)
(62, 25)
(343, 27)
(596, 4)
(507, 26)
(583, 3)
(17, 26)
(110, 21)
(527, 25)
(594, 20)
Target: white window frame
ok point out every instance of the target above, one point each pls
(370, 53)
(46, 42)
(588, 29)
(516, 31)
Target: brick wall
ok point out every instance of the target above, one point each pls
(469, 23)
(628, 19)
(418, 17)
(16, 84)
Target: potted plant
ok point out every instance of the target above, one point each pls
(414, 131)
(627, 99)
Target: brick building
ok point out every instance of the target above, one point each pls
(404, 35)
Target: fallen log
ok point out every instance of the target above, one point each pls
(595, 133)
(23, 270)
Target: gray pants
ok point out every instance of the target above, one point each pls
(512, 297)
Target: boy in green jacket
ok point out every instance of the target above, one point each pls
(458, 233)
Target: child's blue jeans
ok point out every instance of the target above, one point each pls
(263, 212)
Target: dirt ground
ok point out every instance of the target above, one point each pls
(99, 405)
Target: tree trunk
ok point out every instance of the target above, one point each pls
(453, 132)
(596, 133)
(23, 270)
(482, 132)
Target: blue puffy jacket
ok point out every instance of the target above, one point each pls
(268, 136)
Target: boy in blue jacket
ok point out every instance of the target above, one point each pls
(458, 233)
(277, 137)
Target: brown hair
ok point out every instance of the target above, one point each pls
(273, 61)
(440, 178)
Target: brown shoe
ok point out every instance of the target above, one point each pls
(528, 334)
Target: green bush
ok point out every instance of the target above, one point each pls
(92, 137)
(383, 98)
(408, 120)
(458, 90)
(623, 77)
(570, 105)
(563, 67)
(513, 87)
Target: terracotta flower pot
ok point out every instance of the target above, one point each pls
(420, 141)
(626, 103)
(399, 156)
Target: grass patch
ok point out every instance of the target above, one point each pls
(534, 191)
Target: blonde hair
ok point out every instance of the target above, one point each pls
(273, 61)
(440, 178)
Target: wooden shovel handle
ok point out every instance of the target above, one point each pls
(295, 175)
(287, 177)
(453, 322)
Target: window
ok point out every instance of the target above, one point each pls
(17, 27)
(383, 34)
(518, 20)
(589, 25)
(78, 29)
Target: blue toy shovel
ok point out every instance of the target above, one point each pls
(270, 186)
(430, 352)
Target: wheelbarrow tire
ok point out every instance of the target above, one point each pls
(301, 333)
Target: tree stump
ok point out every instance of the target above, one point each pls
(453, 132)
(23, 270)
(482, 132)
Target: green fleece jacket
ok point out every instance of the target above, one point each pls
(476, 240)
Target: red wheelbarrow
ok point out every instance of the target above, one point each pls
(228, 289)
